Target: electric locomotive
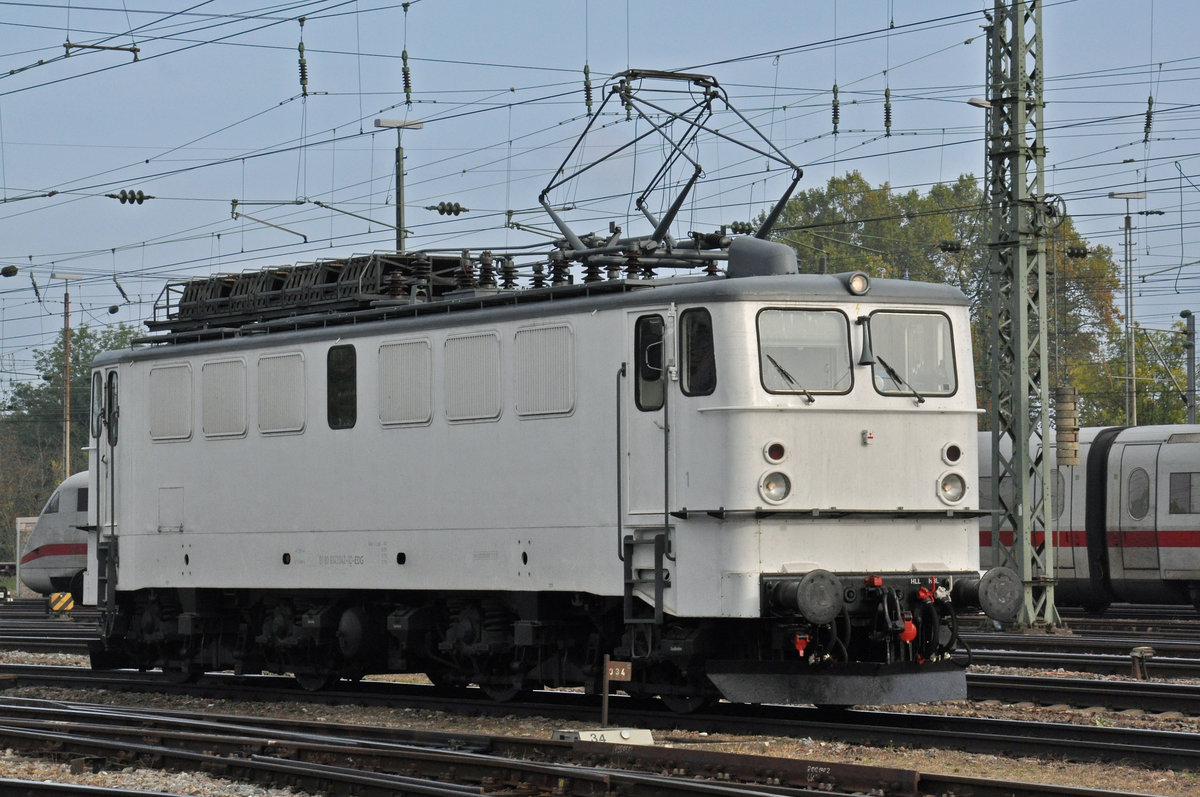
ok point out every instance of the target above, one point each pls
(749, 483)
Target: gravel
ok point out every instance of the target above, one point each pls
(1065, 773)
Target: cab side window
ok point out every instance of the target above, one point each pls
(648, 362)
(699, 361)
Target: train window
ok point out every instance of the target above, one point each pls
(917, 348)
(648, 362)
(1185, 493)
(699, 376)
(1058, 491)
(1139, 493)
(81, 499)
(52, 505)
(804, 351)
(112, 409)
(97, 403)
(341, 387)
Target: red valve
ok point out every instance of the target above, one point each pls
(802, 643)
(910, 631)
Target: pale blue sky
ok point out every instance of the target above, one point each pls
(211, 112)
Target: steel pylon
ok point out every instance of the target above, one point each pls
(1016, 322)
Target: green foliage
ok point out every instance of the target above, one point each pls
(31, 426)
(942, 236)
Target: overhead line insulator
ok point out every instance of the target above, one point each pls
(887, 112)
(407, 77)
(130, 196)
(837, 112)
(303, 72)
(303, 63)
(448, 208)
(1149, 118)
(587, 88)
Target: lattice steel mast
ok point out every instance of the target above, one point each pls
(1019, 410)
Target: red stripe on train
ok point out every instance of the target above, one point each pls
(1172, 538)
(55, 549)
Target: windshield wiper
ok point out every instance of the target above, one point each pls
(790, 380)
(898, 380)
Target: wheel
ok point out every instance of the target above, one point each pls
(687, 704)
(314, 681)
(444, 680)
(501, 693)
(180, 674)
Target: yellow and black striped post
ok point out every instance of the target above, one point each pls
(61, 602)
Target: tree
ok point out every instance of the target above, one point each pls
(31, 426)
(942, 236)
(1161, 369)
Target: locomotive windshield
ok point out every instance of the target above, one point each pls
(804, 351)
(916, 348)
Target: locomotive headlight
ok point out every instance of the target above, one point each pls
(951, 488)
(860, 283)
(774, 487)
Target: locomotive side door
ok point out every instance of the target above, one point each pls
(1138, 511)
(104, 431)
(646, 407)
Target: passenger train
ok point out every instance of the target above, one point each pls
(1126, 518)
(747, 482)
(55, 554)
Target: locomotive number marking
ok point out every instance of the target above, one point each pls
(620, 671)
(341, 559)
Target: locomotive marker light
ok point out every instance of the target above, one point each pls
(952, 453)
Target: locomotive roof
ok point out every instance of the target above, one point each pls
(475, 307)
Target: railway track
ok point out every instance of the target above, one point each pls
(1078, 742)
(325, 757)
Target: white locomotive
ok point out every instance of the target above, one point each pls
(755, 484)
(55, 554)
(1125, 517)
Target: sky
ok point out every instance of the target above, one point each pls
(201, 104)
